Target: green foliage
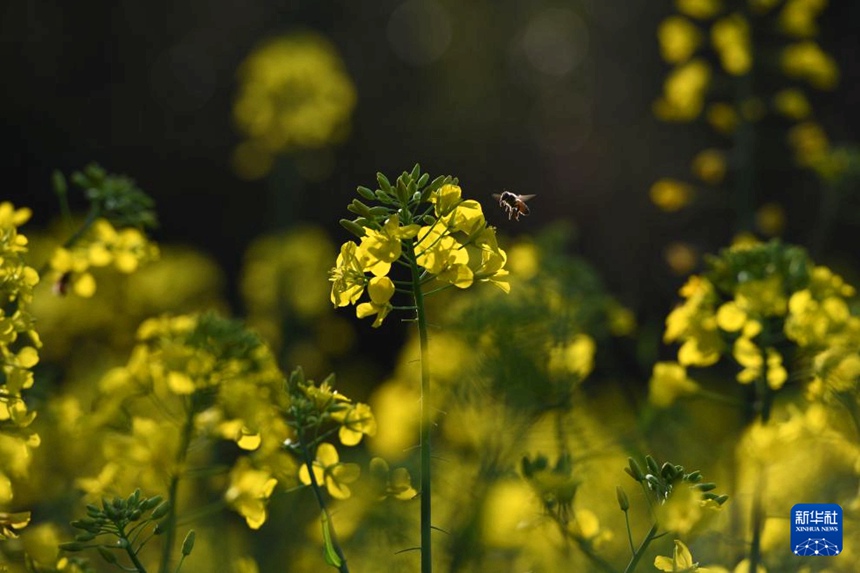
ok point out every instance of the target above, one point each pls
(735, 266)
(132, 522)
(114, 197)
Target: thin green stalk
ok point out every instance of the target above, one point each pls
(315, 486)
(634, 561)
(757, 521)
(131, 554)
(172, 492)
(629, 532)
(426, 418)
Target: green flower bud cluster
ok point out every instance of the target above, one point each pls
(663, 479)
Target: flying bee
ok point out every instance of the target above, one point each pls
(513, 204)
(61, 286)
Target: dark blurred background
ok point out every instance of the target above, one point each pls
(542, 97)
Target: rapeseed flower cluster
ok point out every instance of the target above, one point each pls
(756, 304)
(195, 379)
(429, 228)
(294, 93)
(101, 246)
(314, 409)
(19, 344)
(706, 31)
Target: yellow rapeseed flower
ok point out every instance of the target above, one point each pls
(357, 422)
(809, 142)
(792, 103)
(797, 17)
(770, 219)
(700, 9)
(722, 117)
(671, 194)
(329, 470)
(294, 93)
(669, 382)
(380, 290)
(679, 39)
(807, 61)
(347, 277)
(249, 492)
(574, 357)
(730, 37)
(684, 91)
(709, 165)
(681, 257)
(681, 560)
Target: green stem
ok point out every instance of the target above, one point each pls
(131, 554)
(629, 532)
(315, 486)
(634, 561)
(173, 489)
(426, 418)
(757, 522)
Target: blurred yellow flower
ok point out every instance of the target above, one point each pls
(770, 219)
(508, 508)
(694, 325)
(524, 260)
(293, 93)
(797, 17)
(249, 492)
(709, 165)
(100, 246)
(574, 357)
(11, 523)
(622, 321)
(730, 37)
(681, 258)
(684, 92)
(809, 142)
(722, 117)
(681, 560)
(671, 194)
(701, 9)
(807, 61)
(744, 566)
(669, 382)
(679, 38)
(792, 103)
(837, 369)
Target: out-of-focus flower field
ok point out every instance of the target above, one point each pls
(446, 379)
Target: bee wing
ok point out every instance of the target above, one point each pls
(525, 198)
(497, 196)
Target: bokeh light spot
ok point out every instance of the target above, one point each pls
(555, 41)
(419, 31)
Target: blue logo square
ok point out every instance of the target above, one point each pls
(816, 529)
